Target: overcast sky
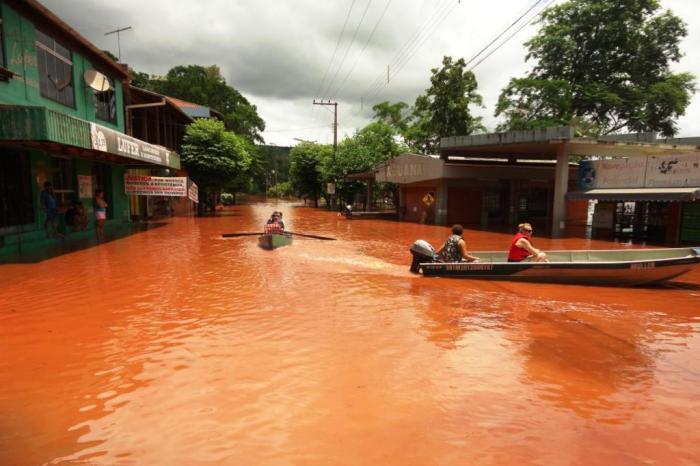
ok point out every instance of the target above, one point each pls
(280, 53)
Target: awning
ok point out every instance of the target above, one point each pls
(638, 194)
(41, 126)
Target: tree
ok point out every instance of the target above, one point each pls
(206, 86)
(369, 146)
(444, 108)
(304, 168)
(395, 115)
(604, 64)
(214, 158)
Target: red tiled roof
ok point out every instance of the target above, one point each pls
(184, 103)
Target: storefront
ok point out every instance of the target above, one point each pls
(478, 193)
(654, 198)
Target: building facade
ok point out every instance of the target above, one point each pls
(62, 121)
(477, 193)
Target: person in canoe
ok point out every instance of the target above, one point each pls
(275, 225)
(455, 248)
(521, 247)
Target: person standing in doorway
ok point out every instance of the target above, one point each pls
(100, 214)
(50, 206)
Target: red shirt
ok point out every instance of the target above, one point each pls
(517, 253)
(273, 228)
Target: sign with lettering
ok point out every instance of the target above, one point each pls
(652, 171)
(113, 142)
(671, 171)
(428, 199)
(193, 192)
(142, 185)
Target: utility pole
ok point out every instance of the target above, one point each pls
(335, 122)
(335, 131)
(119, 44)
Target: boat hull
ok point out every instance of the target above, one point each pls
(273, 241)
(618, 268)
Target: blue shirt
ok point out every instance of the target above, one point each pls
(48, 200)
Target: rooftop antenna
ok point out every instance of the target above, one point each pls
(119, 44)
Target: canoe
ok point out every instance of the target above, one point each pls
(274, 241)
(627, 267)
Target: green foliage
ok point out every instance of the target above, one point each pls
(605, 65)
(283, 189)
(305, 162)
(443, 110)
(373, 144)
(395, 115)
(214, 158)
(206, 86)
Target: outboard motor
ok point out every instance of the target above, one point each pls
(422, 251)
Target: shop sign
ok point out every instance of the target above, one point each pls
(653, 171)
(193, 192)
(613, 173)
(84, 186)
(108, 140)
(142, 185)
(673, 171)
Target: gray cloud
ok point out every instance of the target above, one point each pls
(277, 52)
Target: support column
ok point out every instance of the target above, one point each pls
(441, 203)
(369, 195)
(561, 186)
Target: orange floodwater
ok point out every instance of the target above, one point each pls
(177, 347)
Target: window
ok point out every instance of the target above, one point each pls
(2, 46)
(63, 179)
(16, 201)
(106, 103)
(55, 70)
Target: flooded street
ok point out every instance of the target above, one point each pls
(177, 347)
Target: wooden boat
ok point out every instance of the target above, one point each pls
(274, 241)
(622, 267)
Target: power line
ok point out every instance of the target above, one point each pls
(369, 39)
(347, 50)
(337, 44)
(413, 46)
(416, 48)
(407, 45)
(517, 20)
(525, 24)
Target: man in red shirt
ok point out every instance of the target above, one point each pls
(521, 247)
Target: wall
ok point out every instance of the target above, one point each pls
(21, 58)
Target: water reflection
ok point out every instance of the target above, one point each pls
(175, 346)
(578, 366)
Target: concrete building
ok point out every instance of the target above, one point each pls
(62, 120)
(559, 146)
(485, 193)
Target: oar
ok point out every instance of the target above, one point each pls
(233, 235)
(324, 238)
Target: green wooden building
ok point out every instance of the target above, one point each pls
(62, 121)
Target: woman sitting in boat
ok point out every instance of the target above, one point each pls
(521, 247)
(455, 248)
(274, 226)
